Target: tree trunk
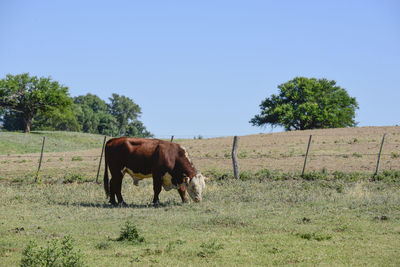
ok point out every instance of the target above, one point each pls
(27, 124)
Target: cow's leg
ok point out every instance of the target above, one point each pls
(115, 188)
(112, 192)
(182, 193)
(118, 186)
(157, 183)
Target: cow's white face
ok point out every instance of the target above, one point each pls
(195, 187)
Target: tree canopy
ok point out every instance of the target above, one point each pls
(93, 115)
(57, 120)
(120, 117)
(28, 95)
(308, 103)
(41, 104)
(124, 110)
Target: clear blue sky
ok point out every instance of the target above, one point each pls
(203, 67)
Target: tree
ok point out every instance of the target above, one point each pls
(308, 103)
(126, 112)
(28, 95)
(57, 120)
(94, 116)
(89, 108)
(137, 129)
(119, 117)
(108, 125)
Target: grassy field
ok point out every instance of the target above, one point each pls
(266, 218)
(12, 143)
(253, 222)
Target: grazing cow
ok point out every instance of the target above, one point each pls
(168, 163)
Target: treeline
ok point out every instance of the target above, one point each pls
(20, 109)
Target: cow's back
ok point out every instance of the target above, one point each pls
(137, 154)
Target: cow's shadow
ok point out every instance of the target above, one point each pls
(127, 206)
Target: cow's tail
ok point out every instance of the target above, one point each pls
(105, 180)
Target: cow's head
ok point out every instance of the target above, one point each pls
(195, 186)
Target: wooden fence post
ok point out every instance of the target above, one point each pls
(305, 159)
(379, 155)
(234, 158)
(40, 160)
(101, 157)
(172, 138)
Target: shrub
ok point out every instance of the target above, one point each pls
(103, 245)
(245, 175)
(354, 141)
(242, 154)
(387, 175)
(348, 176)
(263, 174)
(314, 236)
(54, 254)
(395, 155)
(215, 174)
(77, 158)
(227, 155)
(209, 249)
(314, 175)
(130, 233)
(73, 178)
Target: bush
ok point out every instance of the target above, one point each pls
(209, 249)
(349, 176)
(103, 245)
(395, 155)
(130, 233)
(314, 236)
(53, 254)
(217, 175)
(314, 175)
(388, 176)
(246, 175)
(263, 174)
(77, 158)
(74, 178)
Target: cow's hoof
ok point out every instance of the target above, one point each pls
(114, 204)
(156, 204)
(186, 201)
(123, 204)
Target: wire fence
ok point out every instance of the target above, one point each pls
(346, 152)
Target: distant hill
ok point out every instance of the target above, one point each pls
(22, 143)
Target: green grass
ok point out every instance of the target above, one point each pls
(248, 222)
(21, 143)
(265, 218)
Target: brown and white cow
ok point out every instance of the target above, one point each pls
(168, 163)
